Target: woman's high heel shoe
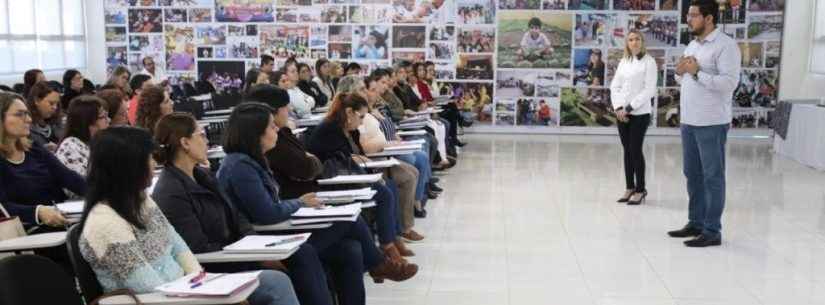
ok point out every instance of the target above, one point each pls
(626, 197)
(640, 201)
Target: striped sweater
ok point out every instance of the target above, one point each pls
(123, 256)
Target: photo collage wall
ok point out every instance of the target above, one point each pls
(505, 68)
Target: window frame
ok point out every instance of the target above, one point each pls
(40, 40)
(817, 39)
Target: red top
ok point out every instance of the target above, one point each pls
(133, 106)
(426, 95)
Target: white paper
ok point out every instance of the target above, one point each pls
(403, 147)
(257, 244)
(412, 133)
(299, 130)
(381, 164)
(328, 211)
(224, 286)
(349, 179)
(417, 141)
(71, 207)
(344, 193)
(307, 221)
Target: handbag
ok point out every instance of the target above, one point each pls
(10, 227)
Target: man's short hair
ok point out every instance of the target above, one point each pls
(707, 8)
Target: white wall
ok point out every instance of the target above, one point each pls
(795, 79)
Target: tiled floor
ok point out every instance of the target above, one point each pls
(533, 220)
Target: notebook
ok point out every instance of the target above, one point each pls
(267, 243)
(381, 164)
(344, 193)
(351, 179)
(412, 133)
(402, 147)
(213, 285)
(328, 211)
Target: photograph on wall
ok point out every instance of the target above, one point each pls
(750, 118)
(284, 41)
(210, 34)
(548, 84)
(736, 32)
(444, 70)
(112, 3)
(765, 27)
(589, 68)
(586, 107)
(180, 47)
(185, 2)
(519, 4)
(534, 39)
(660, 30)
(668, 5)
(634, 5)
(667, 108)
(773, 51)
(115, 56)
(142, 2)
(733, 12)
(505, 112)
(554, 4)
(515, 83)
(318, 37)
(474, 100)
(205, 52)
(339, 50)
(472, 66)
(244, 11)
(225, 76)
(440, 32)
(333, 14)
(342, 1)
(596, 30)
(614, 56)
(422, 11)
(115, 16)
(115, 34)
(751, 54)
(411, 56)
(370, 14)
(145, 20)
(476, 40)
(476, 11)
(376, 1)
(340, 33)
(294, 2)
(287, 14)
(441, 51)
(587, 5)
(235, 30)
(174, 15)
(317, 53)
(757, 88)
(220, 52)
(404, 36)
(537, 112)
(135, 60)
(200, 15)
(370, 42)
(766, 5)
(146, 43)
(243, 47)
(309, 15)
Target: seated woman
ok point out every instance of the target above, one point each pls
(31, 178)
(411, 183)
(309, 87)
(337, 137)
(85, 118)
(44, 107)
(245, 179)
(153, 103)
(189, 197)
(126, 239)
(117, 105)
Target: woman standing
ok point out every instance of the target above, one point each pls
(632, 89)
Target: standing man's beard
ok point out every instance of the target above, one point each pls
(697, 31)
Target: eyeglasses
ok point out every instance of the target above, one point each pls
(694, 16)
(22, 114)
(200, 134)
(104, 115)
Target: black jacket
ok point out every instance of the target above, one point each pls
(328, 141)
(197, 210)
(311, 88)
(407, 96)
(294, 170)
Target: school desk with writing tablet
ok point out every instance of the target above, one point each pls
(35, 241)
(288, 226)
(158, 298)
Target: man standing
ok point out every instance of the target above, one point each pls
(708, 73)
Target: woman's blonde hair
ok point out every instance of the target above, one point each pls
(629, 54)
(6, 100)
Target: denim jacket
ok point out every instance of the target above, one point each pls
(251, 188)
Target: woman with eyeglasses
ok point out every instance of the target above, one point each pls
(86, 117)
(125, 238)
(116, 104)
(32, 179)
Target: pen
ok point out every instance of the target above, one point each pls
(284, 241)
(198, 277)
(198, 284)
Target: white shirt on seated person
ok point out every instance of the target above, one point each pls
(300, 103)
